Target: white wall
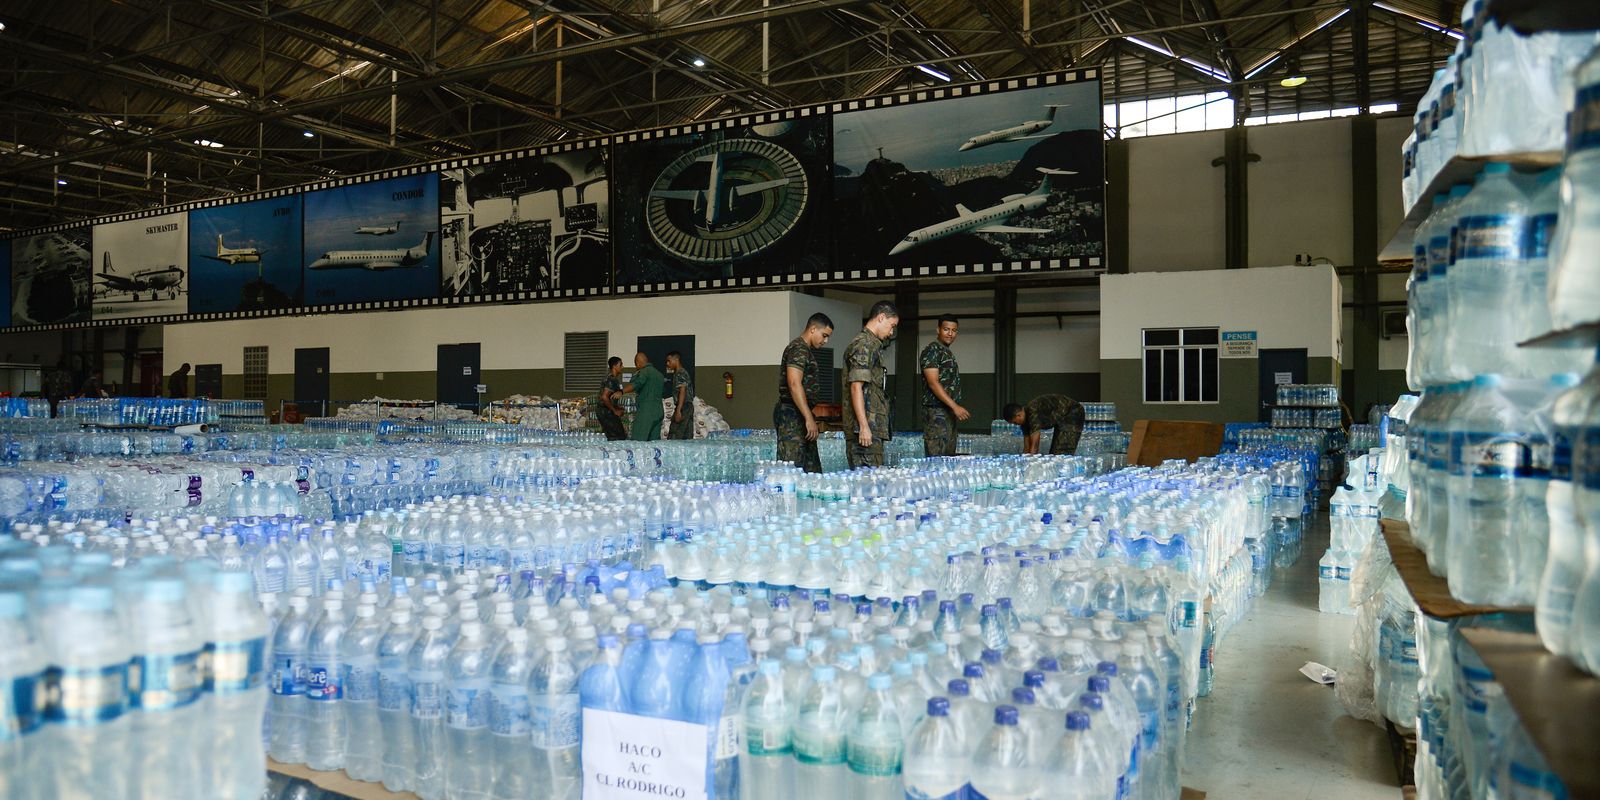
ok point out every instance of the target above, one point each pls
(1299, 192)
(741, 328)
(1286, 306)
(1175, 202)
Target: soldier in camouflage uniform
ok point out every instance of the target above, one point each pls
(797, 393)
(1056, 411)
(941, 392)
(682, 426)
(866, 414)
(609, 411)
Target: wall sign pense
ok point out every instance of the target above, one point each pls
(1238, 344)
(630, 757)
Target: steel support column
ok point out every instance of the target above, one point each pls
(907, 378)
(1363, 390)
(1005, 342)
(1235, 162)
(1116, 206)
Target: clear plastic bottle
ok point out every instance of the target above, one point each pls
(936, 760)
(1495, 445)
(1077, 768)
(425, 668)
(819, 736)
(1574, 295)
(363, 743)
(875, 744)
(766, 766)
(236, 694)
(88, 742)
(290, 652)
(23, 771)
(1564, 561)
(469, 772)
(511, 718)
(164, 688)
(553, 693)
(394, 701)
(325, 722)
(1002, 768)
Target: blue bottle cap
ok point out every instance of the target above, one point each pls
(1049, 664)
(1092, 701)
(1005, 603)
(991, 610)
(794, 652)
(958, 687)
(879, 681)
(1005, 715)
(1107, 668)
(823, 674)
(938, 707)
(1033, 679)
(1022, 696)
(991, 656)
(972, 670)
(1100, 684)
(1077, 721)
(947, 605)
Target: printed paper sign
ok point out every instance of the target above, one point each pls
(1238, 344)
(629, 757)
(1282, 378)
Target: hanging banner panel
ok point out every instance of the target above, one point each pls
(983, 180)
(724, 205)
(538, 223)
(5, 284)
(245, 257)
(50, 281)
(372, 241)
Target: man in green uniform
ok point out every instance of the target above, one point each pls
(682, 426)
(647, 383)
(941, 394)
(610, 411)
(867, 412)
(1057, 411)
(797, 393)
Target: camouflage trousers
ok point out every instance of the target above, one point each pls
(858, 456)
(792, 445)
(611, 425)
(938, 431)
(683, 428)
(1064, 439)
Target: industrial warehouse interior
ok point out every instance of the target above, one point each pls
(1098, 399)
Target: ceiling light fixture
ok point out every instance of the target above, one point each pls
(935, 73)
(61, 181)
(307, 134)
(1291, 74)
(1292, 81)
(699, 62)
(208, 143)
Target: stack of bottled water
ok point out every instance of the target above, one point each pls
(143, 681)
(24, 407)
(138, 411)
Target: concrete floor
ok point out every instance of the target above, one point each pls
(1266, 732)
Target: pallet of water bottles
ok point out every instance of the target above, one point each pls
(1305, 417)
(1307, 395)
(24, 407)
(140, 412)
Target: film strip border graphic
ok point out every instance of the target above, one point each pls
(606, 140)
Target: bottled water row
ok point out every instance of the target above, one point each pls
(1353, 522)
(1465, 110)
(1315, 394)
(155, 411)
(1100, 412)
(1295, 417)
(24, 407)
(141, 682)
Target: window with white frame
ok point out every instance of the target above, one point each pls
(1180, 365)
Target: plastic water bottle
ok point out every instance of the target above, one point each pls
(363, 756)
(1002, 767)
(394, 701)
(164, 687)
(1077, 769)
(88, 740)
(469, 773)
(1326, 585)
(289, 670)
(1495, 446)
(702, 702)
(655, 688)
(936, 759)
(874, 746)
(510, 718)
(425, 668)
(553, 692)
(765, 768)
(1564, 561)
(24, 770)
(819, 736)
(304, 567)
(325, 723)
(236, 692)
(1574, 277)
(1493, 219)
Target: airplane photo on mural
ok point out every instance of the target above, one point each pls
(142, 267)
(245, 256)
(1009, 176)
(372, 241)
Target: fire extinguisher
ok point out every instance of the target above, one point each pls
(727, 385)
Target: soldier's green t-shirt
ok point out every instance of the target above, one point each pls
(937, 356)
(863, 363)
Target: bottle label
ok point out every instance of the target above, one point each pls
(1492, 455)
(767, 737)
(873, 759)
(1591, 466)
(1538, 457)
(477, 557)
(467, 705)
(510, 712)
(1492, 236)
(20, 705)
(325, 682)
(288, 674)
(729, 741)
(1189, 616)
(1541, 229)
(554, 723)
(1325, 572)
(1561, 452)
(1583, 123)
(164, 682)
(822, 747)
(450, 555)
(86, 696)
(1531, 783)
(234, 667)
(427, 696)
(1438, 255)
(1341, 573)
(413, 551)
(361, 681)
(394, 690)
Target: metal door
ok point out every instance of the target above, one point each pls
(458, 375)
(311, 380)
(1280, 365)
